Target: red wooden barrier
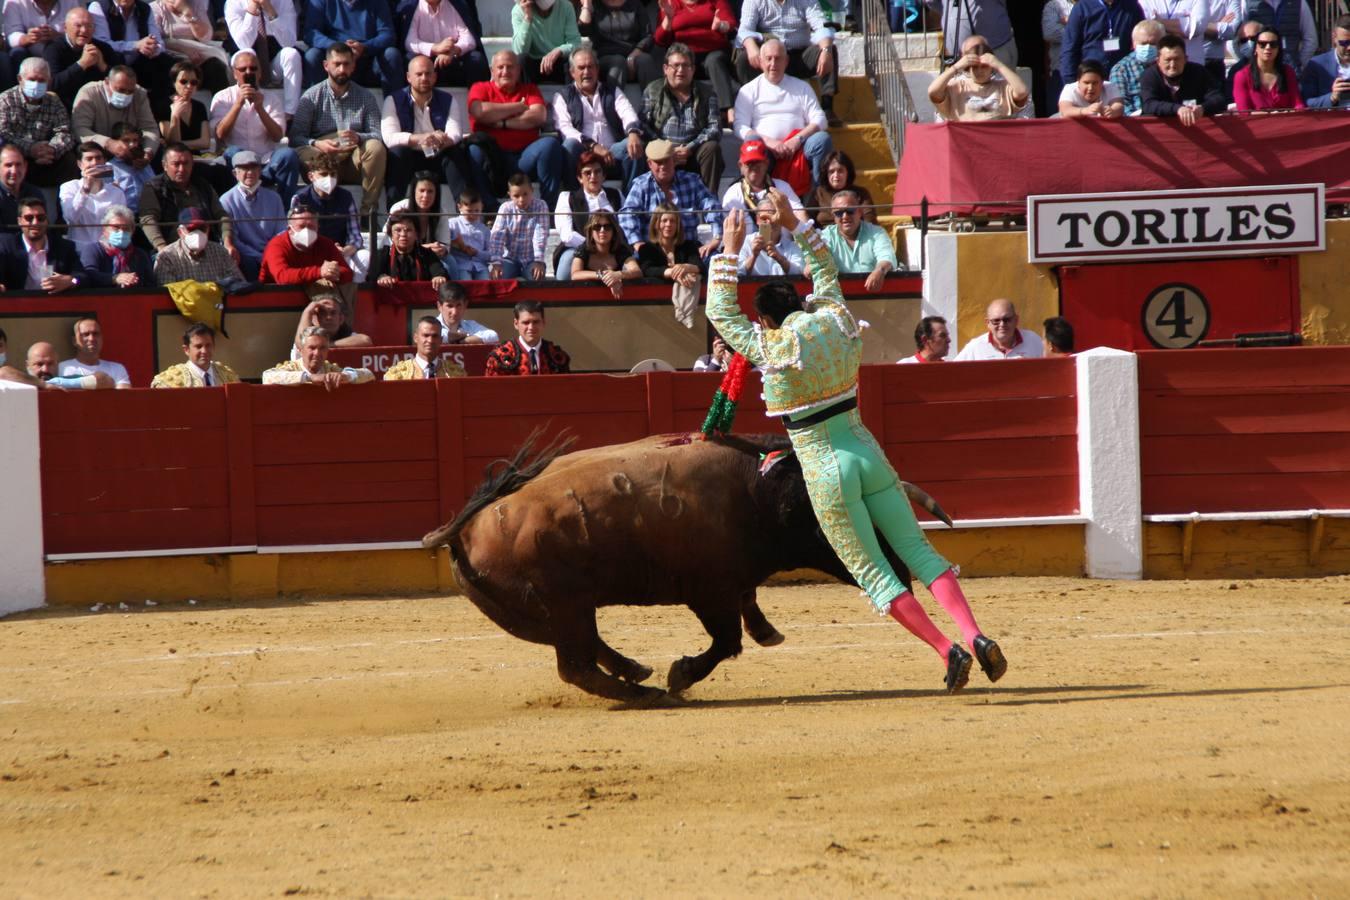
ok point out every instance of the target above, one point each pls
(1238, 430)
(473, 357)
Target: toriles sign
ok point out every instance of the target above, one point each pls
(1170, 224)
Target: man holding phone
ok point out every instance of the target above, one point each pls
(1326, 78)
(243, 118)
(85, 200)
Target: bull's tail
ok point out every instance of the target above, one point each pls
(920, 496)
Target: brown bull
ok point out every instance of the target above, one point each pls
(549, 538)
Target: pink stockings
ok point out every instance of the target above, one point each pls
(907, 611)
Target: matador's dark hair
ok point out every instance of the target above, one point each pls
(777, 299)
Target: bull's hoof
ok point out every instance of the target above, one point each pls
(652, 699)
(768, 637)
(680, 678)
(638, 674)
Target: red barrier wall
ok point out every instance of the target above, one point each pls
(246, 465)
(1239, 430)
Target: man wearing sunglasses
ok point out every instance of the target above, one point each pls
(1179, 88)
(856, 245)
(1326, 78)
(34, 260)
(1004, 340)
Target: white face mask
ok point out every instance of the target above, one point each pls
(304, 237)
(249, 191)
(325, 184)
(195, 241)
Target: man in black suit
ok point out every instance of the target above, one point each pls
(14, 187)
(34, 260)
(1178, 88)
(76, 59)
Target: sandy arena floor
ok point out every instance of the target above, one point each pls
(1151, 739)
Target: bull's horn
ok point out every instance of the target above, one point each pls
(920, 496)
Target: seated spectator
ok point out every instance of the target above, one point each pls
(771, 250)
(78, 58)
(782, 112)
(1091, 96)
(189, 35)
(979, 86)
(1268, 83)
(422, 132)
(543, 34)
(1004, 339)
(687, 115)
(180, 188)
(808, 51)
(258, 214)
(932, 339)
(470, 240)
(668, 254)
(182, 118)
(14, 187)
(406, 259)
(621, 33)
(519, 234)
(428, 363)
(1058, 336)
(131, 167)
(300, 255)
(33, 259)
(718, 359)
(201, 368)
(755, 183)
(130, 29)
(439, 32)
(327, 313)
(529, 353)
(101, 106)
(1125, 74)
(195, 257)
(336, 209)
(32, 25)
(1178, 88)
(366, 27)
(575, 207)
(113, 261)
(338, 117)
(1326, 78)
(1097, 31)
(35, 121)
(422, 207)
(604, 255)
(268, 29)
(704, 30)
(88, 341)
(312, 365)
(1295, 24)
(837, 174)
(663, 183)
(451, 304)
(591, 115)
(505, 115)
(43, 367)
(858, 246)
(244, 119)
(85, 200)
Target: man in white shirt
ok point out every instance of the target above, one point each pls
(243, 118)
(591, 115)
(455, 329)
(438, 31)
(267, 27)
(88, 340)
(933, 340)
(86, 199)
(1004, 340)
(313, 367)
(771, 250)
(423, 129)
(31, 24)
(782, 111)
(798, 25)
(1221, 25)
(1186, 19)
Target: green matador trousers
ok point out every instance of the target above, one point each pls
(853, 488)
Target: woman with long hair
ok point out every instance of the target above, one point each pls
(668, 254)
(836, 174)
(423, 207)
(570, 215)
(184, 118)
(1268, 83)
(605, 255)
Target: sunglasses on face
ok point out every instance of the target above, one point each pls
(246, 69)
(1266, 45)
(189, 82)
(846, 211)
(33, 219)
(602, 228)
(1343, 43)
(1002, 320)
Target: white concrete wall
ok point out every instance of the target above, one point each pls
(1109, 492)
(22, 584)
(940, 280)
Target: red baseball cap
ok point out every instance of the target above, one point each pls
(754, 151)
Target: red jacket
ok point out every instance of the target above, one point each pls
(692, 26)
(285, 263)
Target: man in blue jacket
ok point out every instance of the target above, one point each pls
(1326, 78)
(367, 26)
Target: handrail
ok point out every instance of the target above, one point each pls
(884, 70)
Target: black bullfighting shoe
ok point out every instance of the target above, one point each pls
(991, 658)
(958, 668)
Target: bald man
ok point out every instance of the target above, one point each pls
(43, 363)
(1003, 340)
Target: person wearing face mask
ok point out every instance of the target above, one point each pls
(36, 122)
(131, 28)
(300, 255)
(258, 212)
(181, 187)
(194, 256)
(103, 105)
(112, 260)
(1125, 74)
(336, 208)
(75, 57)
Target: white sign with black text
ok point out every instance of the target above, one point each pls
(1168, 224)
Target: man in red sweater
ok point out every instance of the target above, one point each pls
(300, 255)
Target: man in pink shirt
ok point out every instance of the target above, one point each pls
(437, 30)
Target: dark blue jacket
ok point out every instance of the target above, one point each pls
(1318, 76)
(1092, 22)
(61, 256)
(98, 266)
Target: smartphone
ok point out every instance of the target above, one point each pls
(766, 232)
(251, 79)
(102, 171)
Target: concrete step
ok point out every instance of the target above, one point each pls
(865, 144)
(856, 102)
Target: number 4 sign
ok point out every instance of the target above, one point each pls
(1176, 316)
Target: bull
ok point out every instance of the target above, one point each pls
(550, 536)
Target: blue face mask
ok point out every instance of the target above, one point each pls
(1146, 53)
(34, 90)
(120, 238)
(3, 358)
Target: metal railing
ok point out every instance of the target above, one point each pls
(887, 75)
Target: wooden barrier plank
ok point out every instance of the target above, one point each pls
(989, 380)
(1033, 457)
(305, 404)
(453, 490)
(73, 492)
(243, 488)
(121, 451)
(1309, 410)
(322, 483)
(660, 403)
(542, 397)
(344, 442)
(82, 412)
(997, 498)
(1171, 494)
(980, 419)
(1236, 454)
(484, 438)
(160, 529)
(342, 523)
(1225, 369)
